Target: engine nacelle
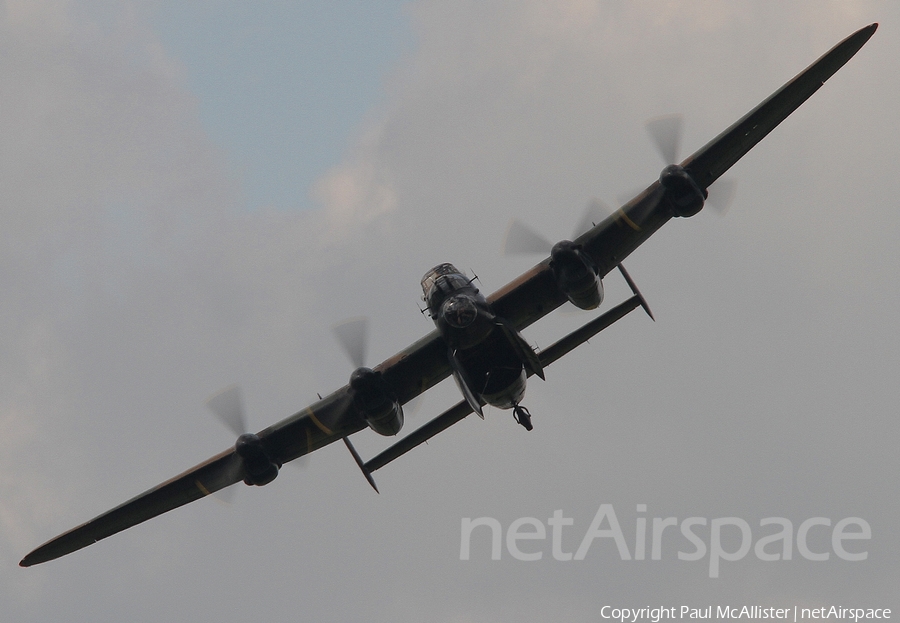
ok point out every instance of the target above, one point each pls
(372, 398)
(685, 197)
(576, 275)
(259, 468)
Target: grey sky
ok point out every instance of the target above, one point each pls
(138, 283)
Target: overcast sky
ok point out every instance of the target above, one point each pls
(191, 197)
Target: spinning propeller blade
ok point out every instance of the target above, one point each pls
(521, 239)
(595, 212)
(721, 194)
(353, 337)
(229, 408)
(666, 133)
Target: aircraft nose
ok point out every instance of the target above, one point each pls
(459, 311)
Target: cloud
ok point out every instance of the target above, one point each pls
(358, 190)
(103, 167)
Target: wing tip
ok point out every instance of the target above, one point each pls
(866, 32)
(31, 559)
(46, 552)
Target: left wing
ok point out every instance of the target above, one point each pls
(535, 293)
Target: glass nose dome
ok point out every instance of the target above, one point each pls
(459, 311)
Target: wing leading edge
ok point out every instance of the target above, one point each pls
(717, 156)
(534, 294)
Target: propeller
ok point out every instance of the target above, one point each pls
(721, 194)
(353, 336)
(666, 132)
(521, 239)
(228, 407)
(594, 212)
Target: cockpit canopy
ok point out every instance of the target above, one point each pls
(440, 282)
(443, 277)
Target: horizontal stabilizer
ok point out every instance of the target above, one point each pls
(635, 291)
(366, 472)
(422, 434)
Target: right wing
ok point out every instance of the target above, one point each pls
(410, 372)
(217, 473)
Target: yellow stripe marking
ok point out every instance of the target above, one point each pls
(632, 224)
(316, 421)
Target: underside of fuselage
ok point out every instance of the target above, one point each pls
(493, 370)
